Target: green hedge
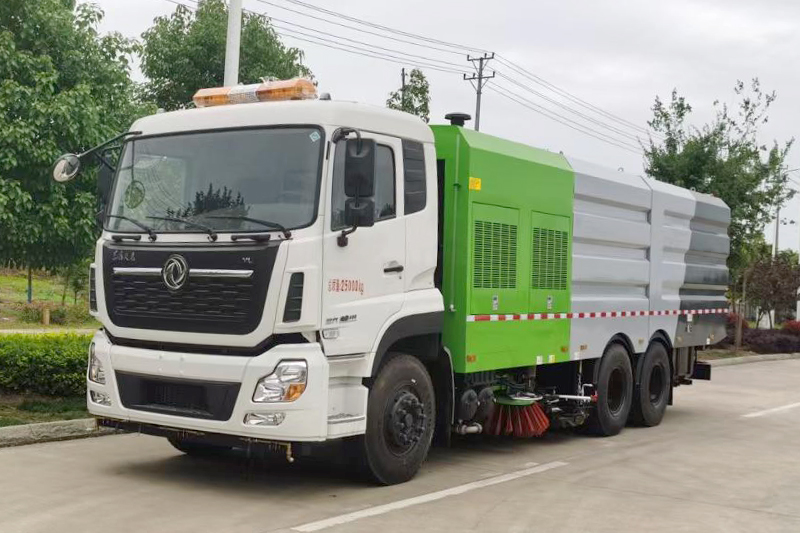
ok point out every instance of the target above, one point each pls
(51, 364)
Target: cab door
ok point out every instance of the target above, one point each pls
(363, 282)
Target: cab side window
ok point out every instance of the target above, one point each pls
(385, 205)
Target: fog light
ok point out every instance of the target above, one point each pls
(100, 398)
(264, 419)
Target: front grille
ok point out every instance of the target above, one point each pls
(203, 299)
(194, 399)
(208, 302)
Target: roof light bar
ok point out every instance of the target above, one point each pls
(267, 91)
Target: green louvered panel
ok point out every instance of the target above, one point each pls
(496, 250)
(550, 263)
(549, 259)
(494, 256)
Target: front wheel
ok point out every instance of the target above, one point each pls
(401, 415)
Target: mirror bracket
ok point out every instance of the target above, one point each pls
(342, 240)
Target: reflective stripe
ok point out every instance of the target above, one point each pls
(597, 314)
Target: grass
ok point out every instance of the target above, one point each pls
(47, 289)
(30, 409)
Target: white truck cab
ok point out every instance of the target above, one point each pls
(194, 320)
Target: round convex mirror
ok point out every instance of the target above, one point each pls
(66, 168)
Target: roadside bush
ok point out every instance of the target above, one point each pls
(792, 326)
(66, 315)
(732, 318)
(771, 341)
(48, 364)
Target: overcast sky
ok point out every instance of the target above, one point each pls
(616, 54)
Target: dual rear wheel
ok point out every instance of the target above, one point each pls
(620, 399)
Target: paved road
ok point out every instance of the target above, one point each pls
(707, 468)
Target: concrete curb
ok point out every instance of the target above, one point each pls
(51, 431)
(753, 359)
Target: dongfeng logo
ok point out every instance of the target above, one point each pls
(175, 272)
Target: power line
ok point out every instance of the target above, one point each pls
(579, 101)
(363, 52)
(425, 58)
(382, 36)
(386, 28)
(430, 63)
(562, 120)
(570, 109)
(314, 39)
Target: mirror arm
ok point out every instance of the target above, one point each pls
(342, 133)
(106, 143)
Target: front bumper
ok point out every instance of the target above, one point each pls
(315, 416)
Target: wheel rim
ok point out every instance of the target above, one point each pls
(656, 385)
(405, 421)
(615, 398)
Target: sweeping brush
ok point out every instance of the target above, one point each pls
(517, 419)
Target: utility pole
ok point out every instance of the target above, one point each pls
(777, 230)
(480, 82)
(233, 43)
(403, 88)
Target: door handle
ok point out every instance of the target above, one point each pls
(393, 268)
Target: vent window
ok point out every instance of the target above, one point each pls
(495, 255)
(549, 259)
(92, 289)
(294, 298)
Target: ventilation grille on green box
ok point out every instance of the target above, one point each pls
(549, 259)
(495, 256)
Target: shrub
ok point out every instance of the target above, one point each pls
(74, 315)
(771, 341)
(48, 364)
(792, 326)
(732, 318)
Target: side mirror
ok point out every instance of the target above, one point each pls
(359, 168)
(66, 168)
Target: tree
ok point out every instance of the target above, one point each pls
(185, 52)
(773, 284)
(63, 87)
(415, 98)
(724, 158)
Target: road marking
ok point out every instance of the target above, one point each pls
(425, 498)
(773, 410)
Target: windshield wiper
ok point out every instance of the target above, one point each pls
(148, 229)
(212, 235)
(266, 223)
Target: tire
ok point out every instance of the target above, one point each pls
(401, 415)
(614, 392)
(196, 447)
(651, 396)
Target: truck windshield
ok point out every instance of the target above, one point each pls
(219, 179)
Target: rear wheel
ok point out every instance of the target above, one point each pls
(652, 394)
(196, 447)
(401, 416)
(614, 392)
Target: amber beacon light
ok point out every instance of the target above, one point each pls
(267, 91)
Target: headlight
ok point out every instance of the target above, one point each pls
(285, 384)
(96, 372)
